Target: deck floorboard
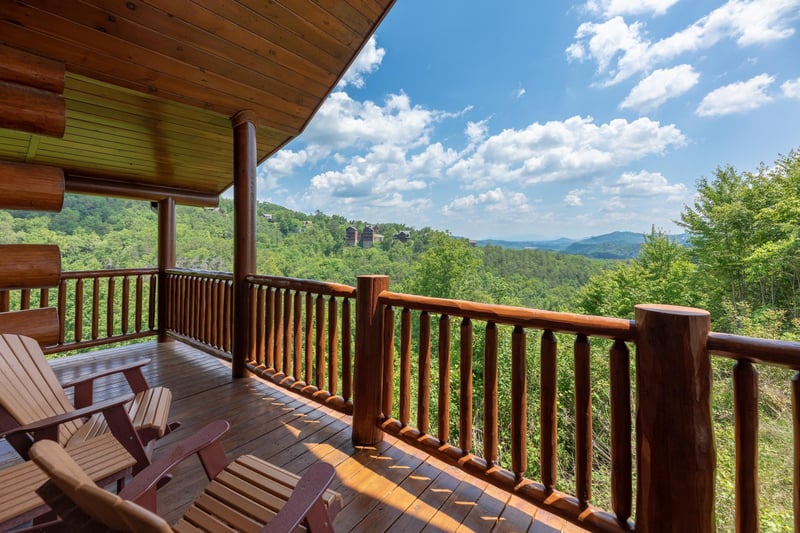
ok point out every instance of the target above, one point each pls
(389, 487)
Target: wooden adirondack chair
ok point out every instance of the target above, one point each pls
(34, 405)
(248, 494)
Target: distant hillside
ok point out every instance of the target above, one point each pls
(615, 245)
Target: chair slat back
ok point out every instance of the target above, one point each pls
(95, 502)
(29, 389)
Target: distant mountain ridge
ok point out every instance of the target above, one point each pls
(614, 245)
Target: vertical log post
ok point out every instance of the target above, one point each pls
(166, 260)
(244, 231)
(674, 438)
(367, 397)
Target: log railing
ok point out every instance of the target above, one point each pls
(302, 337)
(199, 308)
(95, 307)
(434, 325)
(749, 353)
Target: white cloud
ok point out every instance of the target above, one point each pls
(659, 87)
(495, 200)
(622, 50)
(343, 122)
(476, 131)
(612, 8)
(791, 88)
(367, 62)
(519, 93)
(645, 184)
(574, 198)
(737, 97)
(576, 148)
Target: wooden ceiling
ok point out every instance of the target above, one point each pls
(151, 84)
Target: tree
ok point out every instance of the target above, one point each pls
(442, 269)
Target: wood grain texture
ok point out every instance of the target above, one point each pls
(29, 266)
(40, 324)
(672, 362)
(31, 187)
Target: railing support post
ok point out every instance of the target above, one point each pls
(244, 233)
(676, 457)
(166, 260)
(368, 375)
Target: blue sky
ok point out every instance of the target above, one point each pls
(524, 119)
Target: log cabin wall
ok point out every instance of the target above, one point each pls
(31, 101)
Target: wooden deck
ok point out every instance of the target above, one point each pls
(392, 487)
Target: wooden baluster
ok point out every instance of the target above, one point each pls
(388, 361)
(465, 389)
(444, 379)
(287, 332)
(278, 321)
(260, 322)
(347, 355)
(112, 286)
(309, 351)
(519, 404)
(333, 346)
(126, 290)
(79, 310)
(139, 301)
(195, 305)
(216, 311)
(405, 366)
(319, 347)
(548, 414)
(298, 336)
(95, 308)
(269, 326)
(227, 320)
(796, 435)
(424, 383)
(151, 306)
(25, 299)
(583, 421)
(5, 301)
(745, 404)
(211, 311)
(490, 424)
(62, 311)
(183, 322)
(621, 456)
(44, 297)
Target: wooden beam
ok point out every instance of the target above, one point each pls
(31, 70)
(31, 187)
(40, 324)
(138, 191)
(244, 231)
(32, 110)
(166, 260)
(29, 266)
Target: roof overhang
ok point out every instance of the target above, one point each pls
(150, 86)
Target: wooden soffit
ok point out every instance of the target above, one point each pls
(151, 85)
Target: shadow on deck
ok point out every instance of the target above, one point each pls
(391, 487)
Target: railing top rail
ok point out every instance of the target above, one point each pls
(305, 285)
(768, 351)
(208, 274)
(612, 328)
(76, 274)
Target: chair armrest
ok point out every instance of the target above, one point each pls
(84, 385)
(54, 421)
(141, 489)
(306, 503)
